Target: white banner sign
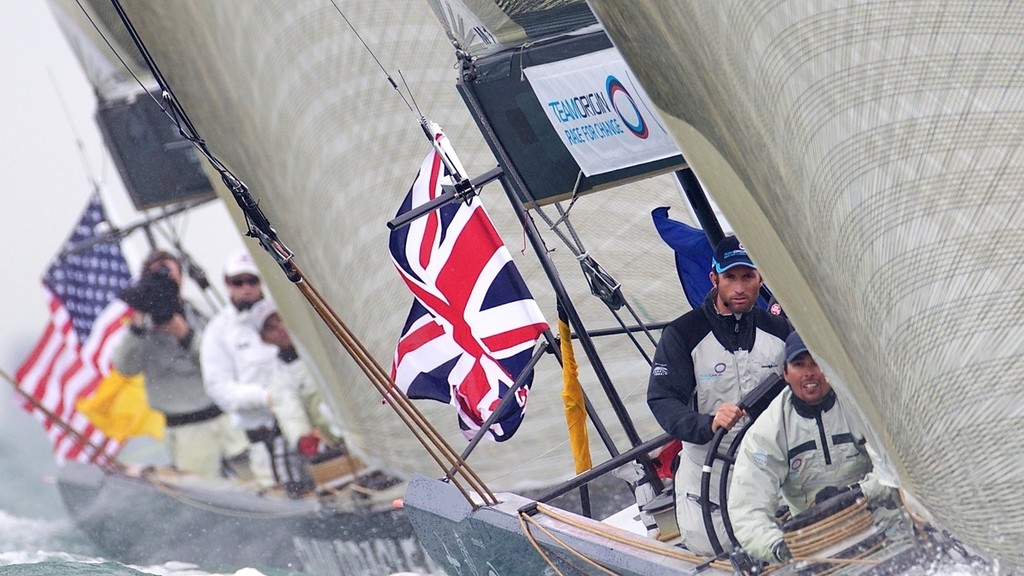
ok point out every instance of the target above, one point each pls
(600, 112)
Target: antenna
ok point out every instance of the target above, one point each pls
(375, 59)
(74, 130)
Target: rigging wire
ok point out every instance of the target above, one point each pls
(377, 60)
(79, 145)
(602, 284)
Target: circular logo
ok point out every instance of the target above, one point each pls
(617, 94)
(720, 367)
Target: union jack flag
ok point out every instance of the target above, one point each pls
(473, 323)
(73, 354)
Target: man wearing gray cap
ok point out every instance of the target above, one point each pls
(705, 362)
(805, 447)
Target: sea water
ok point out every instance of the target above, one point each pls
(36, 536)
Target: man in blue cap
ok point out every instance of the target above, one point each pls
(705, 362)
(803, 447)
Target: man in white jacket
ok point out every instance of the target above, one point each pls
(303, 416)
(237, 364)
(802, 443)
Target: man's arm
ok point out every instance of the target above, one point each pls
(129, 355)
(761, 467)
(670, 391)
(877, 491)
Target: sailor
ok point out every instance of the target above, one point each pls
(163, 342)
(803, 446)
(706, 360)
(303, 416)
(237, 364)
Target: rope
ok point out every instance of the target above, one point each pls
(631, 540)
(812, 539)
(536, 545)
(526, 518)
(437, 447)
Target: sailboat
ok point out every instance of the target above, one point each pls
(865, 153)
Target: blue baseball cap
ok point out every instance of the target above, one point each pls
(729, 253)
(794, 346)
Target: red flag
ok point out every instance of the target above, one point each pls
(473, 324)
(86, 322)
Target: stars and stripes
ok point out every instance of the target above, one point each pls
(473, 324)
(86, 322)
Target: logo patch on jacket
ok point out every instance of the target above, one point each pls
(659, 370)
(796, 465)
(759, 458)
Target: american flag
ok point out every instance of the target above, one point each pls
(86, 321)
(473, 323)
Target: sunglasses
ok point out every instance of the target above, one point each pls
(239, 282)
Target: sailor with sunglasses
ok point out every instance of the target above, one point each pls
(237, 363)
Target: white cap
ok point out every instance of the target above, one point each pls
(260, 311)
(240, 263)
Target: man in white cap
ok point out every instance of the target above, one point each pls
(237, 364)
(705, 362)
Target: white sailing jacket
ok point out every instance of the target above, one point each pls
(237, 365)
(795, 455)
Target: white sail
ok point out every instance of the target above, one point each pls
(287, 96)
(874, 152)
(88, 29)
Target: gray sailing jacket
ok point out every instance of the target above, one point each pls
(174, 383)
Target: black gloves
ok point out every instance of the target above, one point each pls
(781, 552)
(828, 492)
(743, 564)
(831, 491)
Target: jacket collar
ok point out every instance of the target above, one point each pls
(814, 410)
(732, 332)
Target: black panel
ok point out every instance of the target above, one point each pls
(157, 165)
(518, 130)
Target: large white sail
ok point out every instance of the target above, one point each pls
(88, 30)
(874, 151)
(287, 96)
